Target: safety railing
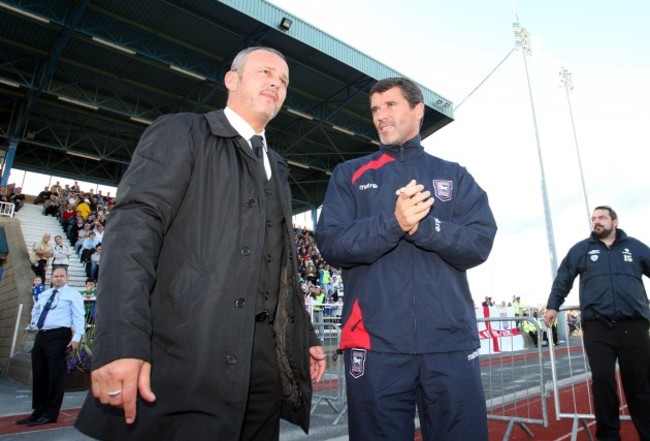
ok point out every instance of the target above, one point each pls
(513, 375)
(330, 391)
(571, 379)
(7, 209)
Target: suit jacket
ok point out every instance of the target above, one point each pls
(180, 270)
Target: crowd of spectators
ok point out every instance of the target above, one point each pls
(82, 215)
(11, 193)
(322, 285)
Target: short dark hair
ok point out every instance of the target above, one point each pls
(60, 268)
(611, 211)
(409, 89)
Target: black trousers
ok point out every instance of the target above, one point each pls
(262, 419)
(48, 371)
(39, 269)
(627, 342)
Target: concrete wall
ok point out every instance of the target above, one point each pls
(15, 289)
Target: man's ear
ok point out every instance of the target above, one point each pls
(420, 110)
(230, 80)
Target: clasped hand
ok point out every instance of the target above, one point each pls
(412, 205)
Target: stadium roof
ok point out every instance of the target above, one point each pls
(80, 81)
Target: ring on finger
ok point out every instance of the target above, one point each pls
(115, 393)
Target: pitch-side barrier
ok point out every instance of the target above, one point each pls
(571, 377)
(514, 381)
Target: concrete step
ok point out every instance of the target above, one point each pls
(34, 225)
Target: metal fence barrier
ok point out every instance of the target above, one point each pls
(331, 389)
(7, 209)
(514, 381)
(571, 377)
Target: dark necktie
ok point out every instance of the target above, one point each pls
(46, 309)
(257, 142)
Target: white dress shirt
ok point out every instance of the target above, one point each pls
(66, 311)
(247, 132)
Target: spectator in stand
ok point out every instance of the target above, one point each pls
(90, 296)
(311, 274)
(4, 194)
(61, 254)
(318, 294)
(93, 272)
(66, 191)
(68, 218)
(51, 206)
(73, 231)
(88, 248)
(91, 289)
(101, 219)
(39, 256)
(56, 188)
(18, 198)
(324, 277)
(83, 207)
(37, 288)
(43, 196)
(99, 231)
(82, 235)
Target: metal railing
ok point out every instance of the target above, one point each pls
(7, 209)
(514, 381)
(571, 380)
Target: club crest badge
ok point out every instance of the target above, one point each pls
(443, 189)
(593, 255)
(357, 362)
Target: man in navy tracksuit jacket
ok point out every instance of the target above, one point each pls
(405, 227)
(615, 313)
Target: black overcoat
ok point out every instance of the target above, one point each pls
(179, 278)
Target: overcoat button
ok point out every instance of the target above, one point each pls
(250, 203)
(240, 302)
(245, 251)
(231, 359)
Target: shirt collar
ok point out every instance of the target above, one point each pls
(241, 126)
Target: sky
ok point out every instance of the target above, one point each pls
(450, 47)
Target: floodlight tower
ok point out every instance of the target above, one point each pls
(522, 40)
(567, 81)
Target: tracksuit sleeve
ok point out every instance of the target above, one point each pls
(566, 275)
(463, 239)
(345, 241)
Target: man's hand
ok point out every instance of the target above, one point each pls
(317, 363)
(119, 382)
(73, 344)
(411, 206)
(549, 317)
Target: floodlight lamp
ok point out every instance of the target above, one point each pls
(285, 23)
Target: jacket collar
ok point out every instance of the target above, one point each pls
(620, 236)
(219, 125)
(409, 150)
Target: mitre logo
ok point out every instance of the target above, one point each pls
(367, 186)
